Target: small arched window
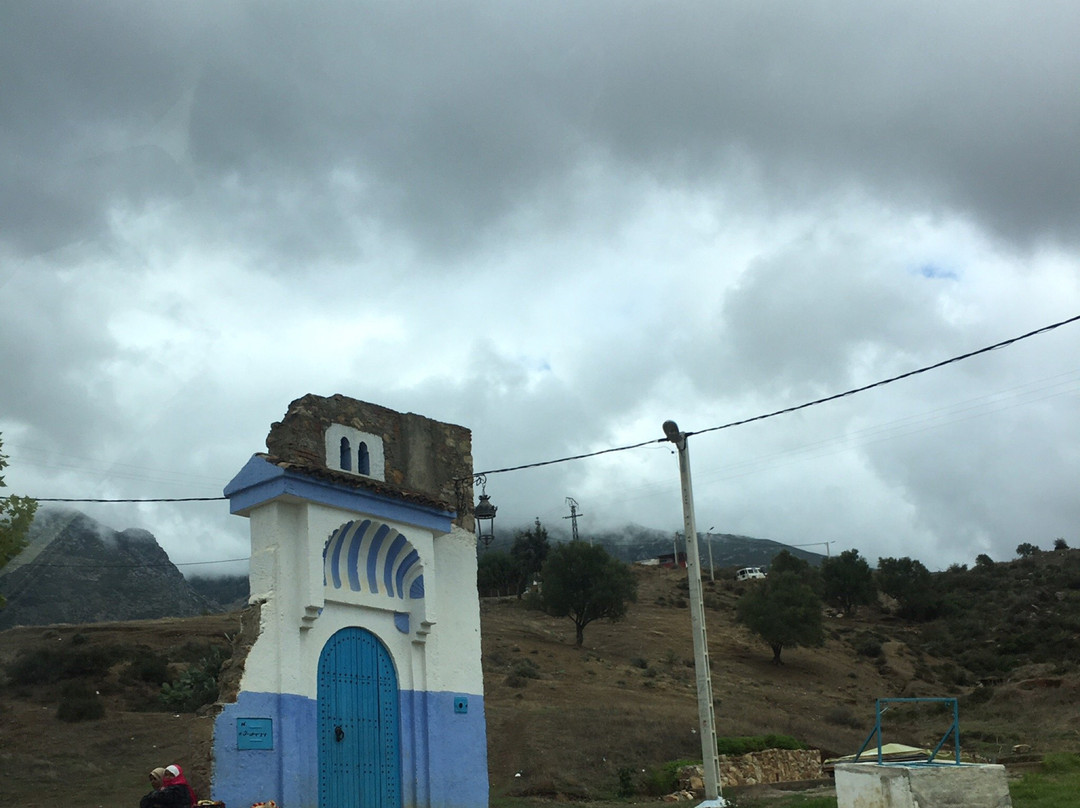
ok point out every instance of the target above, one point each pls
(363, 464)
(346, 455)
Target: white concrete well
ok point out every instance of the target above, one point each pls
(968, 785)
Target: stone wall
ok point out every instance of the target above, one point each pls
(421, 455)
(768, 766)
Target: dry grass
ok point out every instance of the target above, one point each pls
(563, 721)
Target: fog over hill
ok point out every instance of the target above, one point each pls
(636, 543)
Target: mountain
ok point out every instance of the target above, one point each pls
(76, 570)
(229, 591)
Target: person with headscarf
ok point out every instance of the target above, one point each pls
(174, 778)
(165, 796)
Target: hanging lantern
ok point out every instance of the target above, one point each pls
(484, 515)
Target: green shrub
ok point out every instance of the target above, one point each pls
(196, 686)
(869, 646)
(842, 716)
(45, 665)
(665, 778)
(627, 787)
(521, 672)
(756, 743)
(79, 703)
(146, 666)
(979, 695)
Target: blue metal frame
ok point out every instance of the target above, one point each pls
(953, 730)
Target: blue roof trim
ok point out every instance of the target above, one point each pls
(260, 481)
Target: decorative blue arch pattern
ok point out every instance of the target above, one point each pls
(368, 556)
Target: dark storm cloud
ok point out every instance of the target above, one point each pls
(447, 119)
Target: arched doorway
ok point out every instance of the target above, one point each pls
(359, 723)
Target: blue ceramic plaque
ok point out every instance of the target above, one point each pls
(254, 733)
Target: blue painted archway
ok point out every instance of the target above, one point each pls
(359, 723)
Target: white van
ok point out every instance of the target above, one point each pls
(749, 574)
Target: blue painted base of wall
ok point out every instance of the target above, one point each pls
(288, 773)
(443, 754)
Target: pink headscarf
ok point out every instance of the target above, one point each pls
(174, 776)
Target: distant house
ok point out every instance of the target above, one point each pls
(670, 560)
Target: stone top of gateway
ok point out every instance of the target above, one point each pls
(364, 445)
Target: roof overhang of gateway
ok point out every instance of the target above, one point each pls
(260, 482)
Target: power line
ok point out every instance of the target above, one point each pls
(804, 406)
(890, 380)
(138, 566)
(166, 499)
(574, 457)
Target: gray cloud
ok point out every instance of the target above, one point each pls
(449, 120)
(558, 226)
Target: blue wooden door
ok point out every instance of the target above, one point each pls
(359, 723)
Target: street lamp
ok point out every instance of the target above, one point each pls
(706, 716)
(484, 516)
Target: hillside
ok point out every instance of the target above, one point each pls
(561, 720)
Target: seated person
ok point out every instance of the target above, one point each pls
(167, 792)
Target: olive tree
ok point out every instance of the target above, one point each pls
(848, 581)
(16, 514)
(528, 552)
(583, 582)
(784, 611)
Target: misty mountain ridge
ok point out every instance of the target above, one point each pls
(634, 543)
(76, 570)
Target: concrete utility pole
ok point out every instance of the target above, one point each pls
(712, 570)
(706, 715)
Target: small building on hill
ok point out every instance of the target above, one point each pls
(364, 685)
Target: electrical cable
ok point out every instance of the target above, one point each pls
(815, 402)
(166, 499)
(890, 380)
(140, 566)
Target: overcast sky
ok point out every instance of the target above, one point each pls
(559, 225)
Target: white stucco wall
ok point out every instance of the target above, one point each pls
(440, 652)
(455, 638)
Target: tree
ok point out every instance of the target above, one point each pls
(529, 550)
(16, 514)
(910, 582)
(848, 581)
(784, 611)
(984, 562)
(496, 574)
(1026, 549)
(786, 561)
(584, 583)
(1060, 544)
